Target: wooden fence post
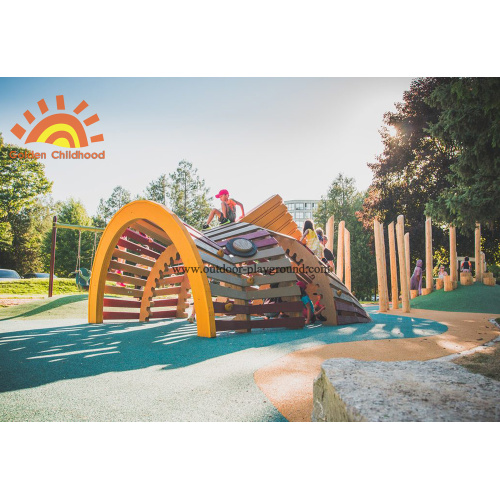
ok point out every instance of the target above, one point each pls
(428, 255)
(384, 267)
(340, 251)
(403, 274)
(453, 254)
(329, 233)
(479, 267)
(378, 257)
(347, 246)
(407, 256)
(394, 267)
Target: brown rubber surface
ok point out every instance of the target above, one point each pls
(288, 382)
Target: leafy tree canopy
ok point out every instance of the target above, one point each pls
(468, 129)
(188, 195)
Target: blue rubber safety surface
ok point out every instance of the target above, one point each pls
(166, 357)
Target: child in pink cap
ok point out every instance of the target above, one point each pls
(227, 212)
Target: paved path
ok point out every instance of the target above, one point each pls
(67, 370)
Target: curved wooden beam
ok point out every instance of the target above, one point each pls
(178, 234)
(168, 255)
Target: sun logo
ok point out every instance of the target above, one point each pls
(61, 129)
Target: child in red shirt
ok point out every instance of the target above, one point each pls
(227, 213)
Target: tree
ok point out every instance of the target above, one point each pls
(157, 190)
(22, 180)
(70, 212)
(188, 195)
(343, 201)
(24, 213)
(107, 208)
(412, 169)
(468, 129)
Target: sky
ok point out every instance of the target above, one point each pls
(253, 136)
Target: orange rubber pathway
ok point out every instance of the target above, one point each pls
(288, 381)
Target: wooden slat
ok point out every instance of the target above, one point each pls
(228, 278)
(120, 315)
(273, 216)
(122, 278)
(134, 235)
(219, 307)
(213, 233)
(171, 279)
(127, 268)
(152, 231)
(161, 292)
(259, 211)
(122, 242)
(112, 302)
(342, 305)
(251, 294)
(348, 320)
(122, 254)
(224, 291)
(223, 263)
(261, 254)
(284, 262)
(267, 279)
(234, 231)
(121, 290)
(294, 323)
(163, 314)
(211, 250)
(252, 236)
(164, 303)
(197, 235)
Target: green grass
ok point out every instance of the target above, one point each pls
(69, 306)
(477, 298)
(38, 286)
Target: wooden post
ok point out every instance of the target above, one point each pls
(378, 257)
(53, 255)
(403, 275)
(453, 254)
(428, 254)
(479, 267)
(394, 267)
(340, 251)
(329, 233)
(347, 247)
(407, 256)
(385, 291)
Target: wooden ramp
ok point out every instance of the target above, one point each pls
(151, 265)
(341, 305)
(273, 215)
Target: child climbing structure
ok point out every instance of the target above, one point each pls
(150, 264)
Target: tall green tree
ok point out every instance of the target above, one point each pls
(343, 201)
(188, 195)
(468, 130)
(23, 185)
(70, 212)
(157, 190)
(107, 208)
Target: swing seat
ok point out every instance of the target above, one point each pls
(82, 278)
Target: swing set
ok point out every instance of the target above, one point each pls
(82, 274)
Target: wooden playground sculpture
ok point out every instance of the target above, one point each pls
(449, 283)
(228, 271)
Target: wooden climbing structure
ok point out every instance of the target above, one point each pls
(150, 265)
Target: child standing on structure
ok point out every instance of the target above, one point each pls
(310, 239)
(227, 212)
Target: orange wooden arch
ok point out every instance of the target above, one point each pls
(178, 234)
